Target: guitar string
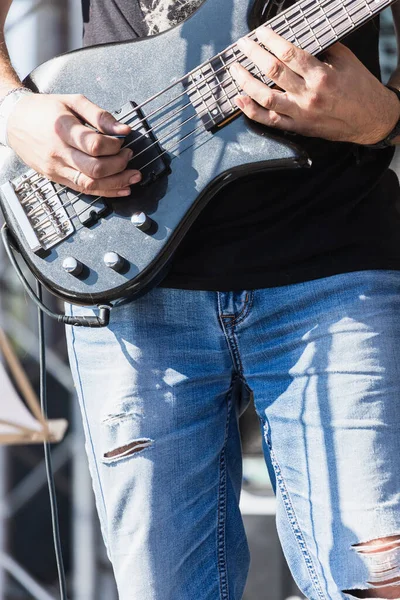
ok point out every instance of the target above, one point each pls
(286, 25)
(236, 57)
(206, 80)
(290, 26)
(147, 164)
(303, 19)
(164, 152)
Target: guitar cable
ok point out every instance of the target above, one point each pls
(101, 320)
(47, 452)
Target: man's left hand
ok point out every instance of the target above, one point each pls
(336, 99)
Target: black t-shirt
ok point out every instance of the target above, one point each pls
(284, 227)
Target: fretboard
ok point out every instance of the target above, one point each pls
(312, 25)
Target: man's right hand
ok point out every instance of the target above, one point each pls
(48, 134)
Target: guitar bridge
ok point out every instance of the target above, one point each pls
(38, 210)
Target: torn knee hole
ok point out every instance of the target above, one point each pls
(133, 447)
(384, 593)
(382, 560)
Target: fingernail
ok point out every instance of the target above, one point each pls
(129, 154)
(123, 192)
(234, 68)
(135, 178)
(243, 43)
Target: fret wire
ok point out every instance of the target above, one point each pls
(344, 6)
(342, 13)
(348, 15)
(212, 97)
(295, 10)
(320, 6)
(233, 106)
(200, 94)
(325, 14)
(305, 25)
(226, 70)
(230, 80)
(217, 108)
(287, 23)
(309, 25)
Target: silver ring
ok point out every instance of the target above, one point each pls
(76, 178)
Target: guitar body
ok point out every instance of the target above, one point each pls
(197, 165)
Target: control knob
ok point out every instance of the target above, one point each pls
(141, 221)
(72, 266)
(115, 261)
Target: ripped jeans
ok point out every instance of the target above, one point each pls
(161, 390)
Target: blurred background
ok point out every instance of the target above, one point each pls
(37, 30)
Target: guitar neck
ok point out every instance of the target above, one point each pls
(312, 25)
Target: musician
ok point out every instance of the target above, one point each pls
(287, 289)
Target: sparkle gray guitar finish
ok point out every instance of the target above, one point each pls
(187, 138)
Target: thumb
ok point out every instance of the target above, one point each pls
(96, 116)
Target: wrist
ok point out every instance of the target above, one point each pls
(389, 129)
(7, 105)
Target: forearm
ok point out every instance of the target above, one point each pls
(8, 77)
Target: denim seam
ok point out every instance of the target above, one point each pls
(293, 521)
(87, 422)
(248, 303)
(221, 517)
(235, 348)
(224, 327)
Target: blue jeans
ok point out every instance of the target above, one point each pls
(161, 390)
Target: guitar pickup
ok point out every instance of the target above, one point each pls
(87, 210)
(148, 158)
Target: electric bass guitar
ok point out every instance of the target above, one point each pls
(188, 138)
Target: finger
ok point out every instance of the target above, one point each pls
(299, 61)
(109, 187)
(96, 116)
(98, 168)
(271, 66)
(255, 112)
(75, 134)
(261, 93)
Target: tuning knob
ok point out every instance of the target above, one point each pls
(141, 221)
(72, 266)
(114, 261)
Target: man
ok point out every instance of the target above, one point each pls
(287, 287)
